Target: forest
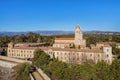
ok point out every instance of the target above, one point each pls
(34, 37)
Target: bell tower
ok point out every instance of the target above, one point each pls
(78, 33)
(79, 41)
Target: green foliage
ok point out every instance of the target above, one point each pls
(22, 71)
(37, 54)
(3, 53)
(33, 37)
(71, 72)
(29, 37)
(115, 70)
(58, 70)
(102, 71)
(115, 51)
(87, 71)
(44, 59)
(116, 38)
(40, 58)
(93, 38)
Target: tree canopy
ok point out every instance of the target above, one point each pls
(22, 71)
(58, 70)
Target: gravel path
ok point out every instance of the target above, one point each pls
(5, 73)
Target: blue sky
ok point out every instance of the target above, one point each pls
(32, 15)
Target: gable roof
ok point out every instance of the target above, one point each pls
(64, 38)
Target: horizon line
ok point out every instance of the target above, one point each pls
(63, 30)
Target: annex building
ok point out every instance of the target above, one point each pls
(63, 50)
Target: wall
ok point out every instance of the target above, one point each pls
(43, 74)
(7, 64)
(31, 77)
(13, 59)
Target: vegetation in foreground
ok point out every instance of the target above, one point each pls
(58, 70)
(22, 71)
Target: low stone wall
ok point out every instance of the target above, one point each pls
(43, 74)
(12, 59)
(31, 77)
(7, 64)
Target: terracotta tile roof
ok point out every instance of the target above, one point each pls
(64, 38)
(26, 48)
(63, 42)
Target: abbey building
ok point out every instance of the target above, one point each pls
(69, 50)
(78, 41)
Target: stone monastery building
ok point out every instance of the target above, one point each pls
(64, 51)
(78, 41)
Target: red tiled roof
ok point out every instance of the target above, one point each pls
(63, 42)
(64, 38)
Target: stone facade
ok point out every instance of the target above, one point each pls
(68, 42)
(79, 41)
(78, 56)
(118, 45)
(19, 52)
(62, 50)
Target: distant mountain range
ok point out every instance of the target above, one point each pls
(58, 32)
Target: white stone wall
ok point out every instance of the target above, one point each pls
(7, 64)
(12, 59)
(31, 77)
(107, 54)
(43, 74)
(76, 57)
